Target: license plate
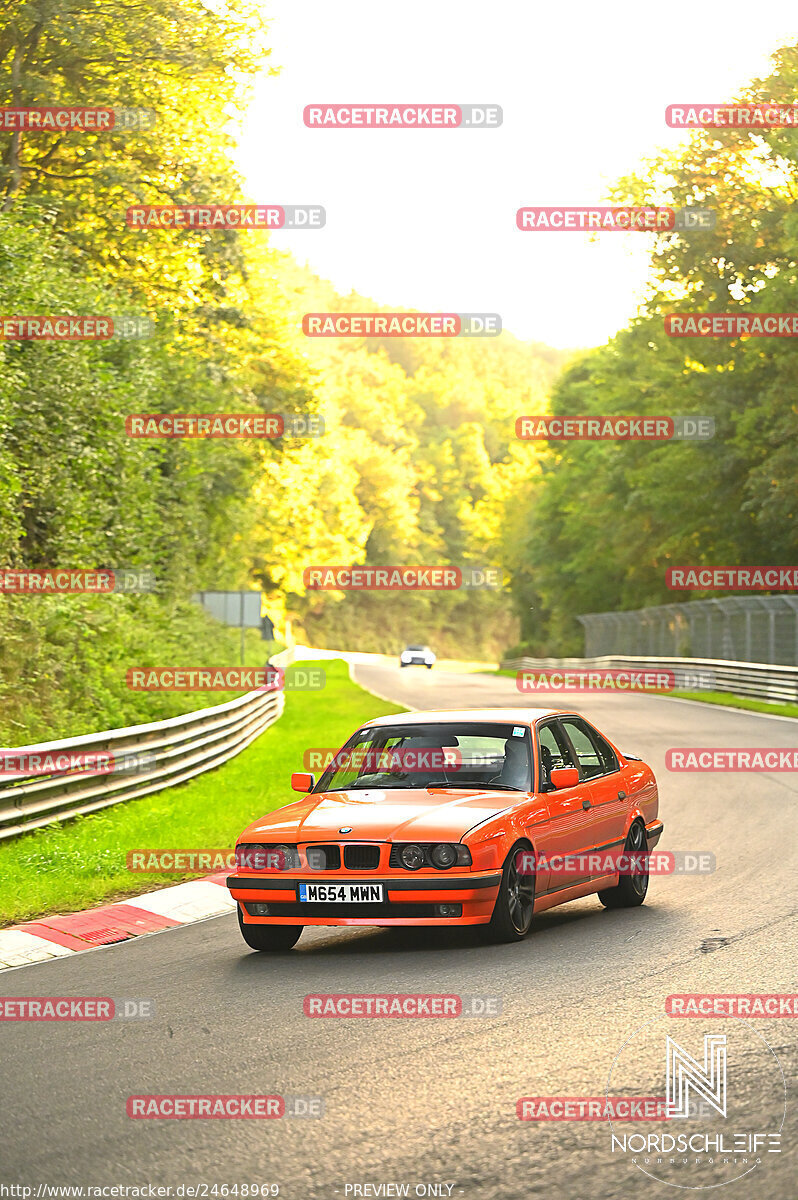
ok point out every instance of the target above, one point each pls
(341, 893)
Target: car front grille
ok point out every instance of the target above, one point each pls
(323, 858)
(361, 858)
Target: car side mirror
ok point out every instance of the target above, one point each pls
(302, 782)
(564, 777)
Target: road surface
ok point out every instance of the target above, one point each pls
(417, 1103)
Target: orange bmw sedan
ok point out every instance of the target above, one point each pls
(472, 817)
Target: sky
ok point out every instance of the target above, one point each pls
(425, 219)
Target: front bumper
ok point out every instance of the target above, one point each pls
(405, 899)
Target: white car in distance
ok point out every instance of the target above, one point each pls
(417, 656)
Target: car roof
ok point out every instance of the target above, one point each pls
(503, 716)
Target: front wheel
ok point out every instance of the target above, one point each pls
(269, 937)
(631, 889)
(515, 903)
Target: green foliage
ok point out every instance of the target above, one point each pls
(608, 519)
(419, 454)
(63, 661)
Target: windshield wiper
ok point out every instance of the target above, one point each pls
(490, 787)
(377, 787)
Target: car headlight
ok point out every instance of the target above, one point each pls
(412, 857)
(287, 857)
(250, 856)
(254, 856)
(443, 856)
(405, 658)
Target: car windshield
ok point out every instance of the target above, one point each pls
(463, 754)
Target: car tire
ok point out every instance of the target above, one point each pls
(269, 937)
(429, 666)
(630, 889)
(515, 903)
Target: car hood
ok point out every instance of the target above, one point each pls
(410, 814)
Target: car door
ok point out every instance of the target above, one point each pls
(568, 829)
(604, 778)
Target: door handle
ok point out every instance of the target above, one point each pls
(585, 804)
(621, 795)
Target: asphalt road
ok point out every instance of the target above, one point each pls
(433, 1102)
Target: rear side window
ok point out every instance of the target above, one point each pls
(595, 754)
(606, 752)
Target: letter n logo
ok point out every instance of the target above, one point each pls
(685, 1072)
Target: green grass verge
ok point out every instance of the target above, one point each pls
(83, 862)
(747, 702)
(726, 698)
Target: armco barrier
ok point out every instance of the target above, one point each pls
(760, 681)
(176, 750)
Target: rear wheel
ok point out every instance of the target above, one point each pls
(631, 889)
(269, 937)
(515, 903)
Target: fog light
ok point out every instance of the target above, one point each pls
(257, 910)
(450, 910)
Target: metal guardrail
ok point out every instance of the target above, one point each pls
(753, 629)
(163, 754)
(760, 681)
